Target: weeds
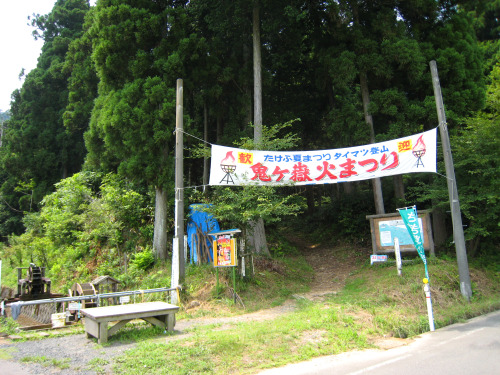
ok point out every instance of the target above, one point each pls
(46, 362)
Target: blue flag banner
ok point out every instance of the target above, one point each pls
(410, 218)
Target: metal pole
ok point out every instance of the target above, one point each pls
(217, 281)
(397, 252)
(458, 230)
(96, 296)
(234, 283)
(430, 314)
(178, 266)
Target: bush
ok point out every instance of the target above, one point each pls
(144, 260)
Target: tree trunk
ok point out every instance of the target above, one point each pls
(220, 128)
(256, 237)
(160, 229)
(257, 233)
(399, 187)
(376, 182)
(310, 200)
(247, 89)
(349, 187)
(439, 228)
(205, 138)
(257, 77)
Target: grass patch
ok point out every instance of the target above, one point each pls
(273, 282)
(97, 365)
(311, 331)
(8, 326)
(138, 331)
(6, 353)
(47, 362)
(375, 302)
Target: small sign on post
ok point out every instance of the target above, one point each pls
(225, 253)
(374, 258)
(124, 300)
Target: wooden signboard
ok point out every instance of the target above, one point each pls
(384, 228)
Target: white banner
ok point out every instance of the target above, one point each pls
(412, 154)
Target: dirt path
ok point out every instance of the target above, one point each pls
(331, 264)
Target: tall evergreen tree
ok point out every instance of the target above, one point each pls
(37, 151)
(138, 50)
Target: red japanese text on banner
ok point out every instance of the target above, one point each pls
(413, 154)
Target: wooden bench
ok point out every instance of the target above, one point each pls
(161, 314)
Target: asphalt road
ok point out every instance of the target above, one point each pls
(461, 349)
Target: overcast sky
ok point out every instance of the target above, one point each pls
(18, 48)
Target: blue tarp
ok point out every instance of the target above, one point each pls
(206, 223)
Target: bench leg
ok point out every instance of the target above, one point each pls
(117, 326)
(103, 333)
(171, 322)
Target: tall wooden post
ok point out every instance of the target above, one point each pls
(178, 263)
(458, 230)
(376, 182)
(257, 77)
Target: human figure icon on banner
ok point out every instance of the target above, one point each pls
(228, 166)
(419, 150)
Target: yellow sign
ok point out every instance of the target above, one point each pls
(245, 158)
(404, 145)
(224, 251)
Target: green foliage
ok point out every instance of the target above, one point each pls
(477, 163)
(143, 260)
(9, 326)
(478, 167)
(107, 74)
(85, 226)
(36, 149)
(235, 207)
(273, 138)
(46, 361)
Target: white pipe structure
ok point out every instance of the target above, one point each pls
(427, 290)
(96, 296)
(397, 252)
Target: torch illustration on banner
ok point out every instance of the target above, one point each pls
(228, 166)
(419, 150)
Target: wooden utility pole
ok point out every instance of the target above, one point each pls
(178, 262)
(257, 77)
(458, 230)
(205, 138)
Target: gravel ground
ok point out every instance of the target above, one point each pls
(78, 349)
(82, 353)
